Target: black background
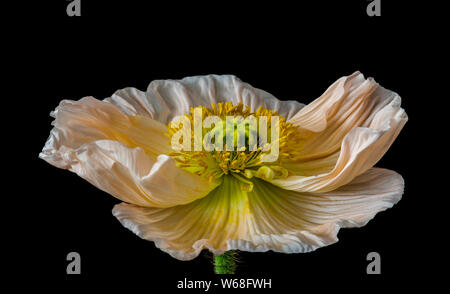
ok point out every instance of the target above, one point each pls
(292, 51)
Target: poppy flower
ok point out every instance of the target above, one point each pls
(187, 201)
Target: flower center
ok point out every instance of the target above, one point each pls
(230, 135)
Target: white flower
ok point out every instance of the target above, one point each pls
(324, 181)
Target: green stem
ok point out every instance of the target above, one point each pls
(225, 263)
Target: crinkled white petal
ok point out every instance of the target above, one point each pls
(167, 99)
(120, 154)
(268, 218)
(87, 120)
(134, 102)
(350, 128)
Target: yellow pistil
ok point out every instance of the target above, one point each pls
(242, 164)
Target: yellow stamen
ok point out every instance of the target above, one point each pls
(244, 163)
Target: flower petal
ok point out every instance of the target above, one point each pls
(95, 140)
(167, 99)
(134, 102)
(132, 176)
(268, 218)
(362, 141)
(350, 102)
(87, 120)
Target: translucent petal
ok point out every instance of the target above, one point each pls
(120, 154)
(347, 130)
(167, 99)
(267, 218)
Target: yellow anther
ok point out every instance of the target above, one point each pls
(243, 161)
